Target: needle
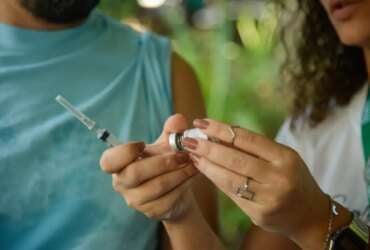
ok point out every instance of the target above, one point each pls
(102, 133)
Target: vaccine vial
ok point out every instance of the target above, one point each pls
(175, 139)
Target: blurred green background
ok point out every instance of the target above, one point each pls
(232, 46)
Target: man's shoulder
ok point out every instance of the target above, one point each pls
(117, 27)
(131, 30)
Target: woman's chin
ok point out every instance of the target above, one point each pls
(355, 37)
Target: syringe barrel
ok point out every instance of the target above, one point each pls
(107, 137)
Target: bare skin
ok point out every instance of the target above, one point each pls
(200, 199)
(185, 87)
(204, 213)
(257, 238)
(158, 183)
(353, 31)
(285, 191)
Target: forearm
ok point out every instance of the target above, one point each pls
(192, 232)
(314, 237)
(257, 238)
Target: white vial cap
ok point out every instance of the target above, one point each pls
(195, 133)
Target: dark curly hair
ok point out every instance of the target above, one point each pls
(320, 72)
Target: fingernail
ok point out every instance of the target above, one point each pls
(181, 158)
(190, 143)
(201, 123)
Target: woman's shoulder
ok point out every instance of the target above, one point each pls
(303, 137)
(332, 151)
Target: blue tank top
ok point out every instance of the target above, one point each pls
(53, 194)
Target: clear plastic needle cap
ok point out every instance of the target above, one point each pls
(90, 124)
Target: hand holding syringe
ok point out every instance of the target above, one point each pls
(145, 178)
(158, 183)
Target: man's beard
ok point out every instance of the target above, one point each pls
(60, 11)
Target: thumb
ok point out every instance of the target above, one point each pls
(174, 124)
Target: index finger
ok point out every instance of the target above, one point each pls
(232, 159)
(243, 139)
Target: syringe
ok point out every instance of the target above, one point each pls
(101, 133)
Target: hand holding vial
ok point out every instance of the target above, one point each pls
(153, 179)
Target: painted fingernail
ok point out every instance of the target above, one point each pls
(181, 158)
(201, 123)
(190, 143)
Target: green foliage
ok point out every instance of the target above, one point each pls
(239, 81)
(119, 8)
(239, 77)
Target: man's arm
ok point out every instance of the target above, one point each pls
(188, 101)
(257, 239)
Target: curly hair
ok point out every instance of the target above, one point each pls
(320, 72)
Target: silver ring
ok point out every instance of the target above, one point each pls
(244, 192)
(233, 134)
